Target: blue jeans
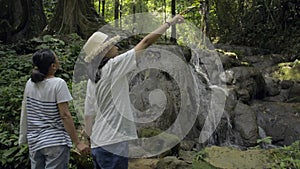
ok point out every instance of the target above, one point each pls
(56, 157)
(113, 156)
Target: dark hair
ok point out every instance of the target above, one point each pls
(42, 60)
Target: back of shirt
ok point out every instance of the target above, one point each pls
(109, 101)
(44, 124)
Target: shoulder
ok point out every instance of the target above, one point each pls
(125, 55)
(57, 81)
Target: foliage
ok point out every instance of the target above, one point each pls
(201, 155)
(199, 161)
(287, 156)
(49, 7)
(266, 140)
(15, 71)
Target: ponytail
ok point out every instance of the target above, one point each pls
(37, 76)
(42, 61)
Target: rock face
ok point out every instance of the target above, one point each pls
(254, 99)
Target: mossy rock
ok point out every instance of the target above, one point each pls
(167, 143)
(228, 157)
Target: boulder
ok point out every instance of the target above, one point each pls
(245, 123)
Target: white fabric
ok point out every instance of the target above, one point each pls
(109, 101)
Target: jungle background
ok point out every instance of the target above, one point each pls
(269, 26)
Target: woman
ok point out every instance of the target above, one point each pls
(46, 122)
(108, 115)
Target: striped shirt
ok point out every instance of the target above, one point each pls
(44, 124)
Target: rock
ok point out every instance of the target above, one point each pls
(161, 142)
(142, 163)
(279, 120)
(294, 94)
(172, 162)
(281, 97)
(250, 79)
(272, 86)
(245, 123)
(264, 61)
(286, 84)
(227, 157)
(242, 50)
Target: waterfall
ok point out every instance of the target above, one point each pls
(204, 62)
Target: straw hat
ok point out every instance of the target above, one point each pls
(96, 44)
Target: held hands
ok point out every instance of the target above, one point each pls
(83, 148)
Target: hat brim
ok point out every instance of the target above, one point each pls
(112, 41)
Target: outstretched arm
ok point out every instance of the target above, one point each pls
(153, 36)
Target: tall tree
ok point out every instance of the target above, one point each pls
(173, 31)
(103, 8)
(21, 19)
(75, 16)
(117, 3)
(133, 11)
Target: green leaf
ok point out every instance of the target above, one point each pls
(9, 152)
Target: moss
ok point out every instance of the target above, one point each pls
(287, 71)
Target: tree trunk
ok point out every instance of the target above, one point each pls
(75, 16)
(103, 9)
(21, 19)
(121, 10)
(117, 13)
(206, 17)
(173, 31)
(133, 12)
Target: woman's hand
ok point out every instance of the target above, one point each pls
(177, 19)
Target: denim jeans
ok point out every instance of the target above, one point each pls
(113, 156)
(56, 157)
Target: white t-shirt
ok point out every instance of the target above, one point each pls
(109, 101)
(43, 124)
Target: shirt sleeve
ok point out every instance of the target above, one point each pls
(23, 122)
(63, 93)
(90, 100)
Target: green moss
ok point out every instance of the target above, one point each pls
(287, 71)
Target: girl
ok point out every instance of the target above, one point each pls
(46, 122)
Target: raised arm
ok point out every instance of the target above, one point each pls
(153, 36)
